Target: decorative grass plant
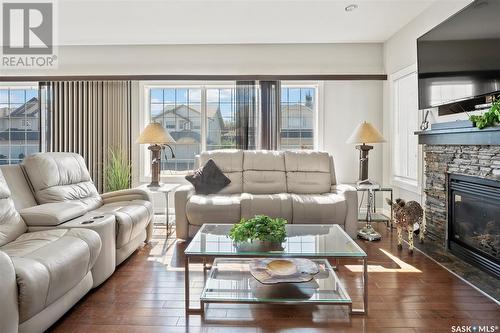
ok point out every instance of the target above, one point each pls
(259, 228)
(118, 170)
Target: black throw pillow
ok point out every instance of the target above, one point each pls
(208, 179)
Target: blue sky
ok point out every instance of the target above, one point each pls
(16, 96)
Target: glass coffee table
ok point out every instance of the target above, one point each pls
(230, 281)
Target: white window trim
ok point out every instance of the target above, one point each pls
(29, 85)
(143, 118)
(318, 115)
(408, 184)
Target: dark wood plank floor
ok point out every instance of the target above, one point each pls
(407, 293)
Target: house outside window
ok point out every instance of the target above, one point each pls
(298, 112)
(203, 117)
(19, 122)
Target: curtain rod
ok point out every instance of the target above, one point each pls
(319, 77)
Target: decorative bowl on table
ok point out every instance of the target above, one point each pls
(273, 271)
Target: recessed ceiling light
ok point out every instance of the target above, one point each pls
(350, 8)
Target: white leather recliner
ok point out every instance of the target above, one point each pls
(44, 273)
(297, 185)
(63, 177)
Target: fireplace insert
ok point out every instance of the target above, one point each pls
(474, 221)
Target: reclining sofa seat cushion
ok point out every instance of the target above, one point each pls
(57, 177)
(47, 264)
(50, 263)
(132, 218)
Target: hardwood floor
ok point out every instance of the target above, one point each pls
(407, 293)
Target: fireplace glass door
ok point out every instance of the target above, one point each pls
(474, 218)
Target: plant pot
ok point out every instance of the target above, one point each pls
(257, 246)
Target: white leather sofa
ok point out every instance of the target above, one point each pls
(52, 197)
(43, 273)
(297, 185)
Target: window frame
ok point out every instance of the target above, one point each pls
(41, 121)
(317, 111)
(410, 184)
(144, 117)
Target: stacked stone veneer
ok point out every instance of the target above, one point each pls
(480, 161)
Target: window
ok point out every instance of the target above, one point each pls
(221, 118)
(405, 159)
(19, 122)
(298, 108)
(179, 111)
(203, 117)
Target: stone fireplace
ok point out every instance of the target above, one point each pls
(445, 167)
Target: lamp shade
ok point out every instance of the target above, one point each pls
(365, 133)
(155, 133)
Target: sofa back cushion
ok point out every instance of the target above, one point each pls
(308, 172)
(20, 189)
(264, 172)
(230, 162)
(11, 223)
(57, 177)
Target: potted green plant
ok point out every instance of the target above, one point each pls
(489, 118)
(260, 233)
(117, 171)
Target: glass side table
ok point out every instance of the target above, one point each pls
(165, 189)
(376, 216)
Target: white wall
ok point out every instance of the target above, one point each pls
(345, 105)
(216, 59)
(400, 51)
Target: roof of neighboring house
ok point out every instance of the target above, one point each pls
(183, 111)
(298, 108)
(28, 109)
(187, 137)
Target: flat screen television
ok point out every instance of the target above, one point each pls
(460, 58)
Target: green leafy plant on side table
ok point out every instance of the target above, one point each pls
(118, 171)
(259, 233)
(490, 117)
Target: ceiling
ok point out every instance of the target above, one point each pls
(122, 22)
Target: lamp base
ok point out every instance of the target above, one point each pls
(363, 161)
(368, 233)
(155, 165)
(154, 184)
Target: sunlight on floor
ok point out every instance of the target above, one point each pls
(403, 267)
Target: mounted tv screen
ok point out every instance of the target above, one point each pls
(460, 58)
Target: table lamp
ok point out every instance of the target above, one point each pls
(158, 138)
(364, 133)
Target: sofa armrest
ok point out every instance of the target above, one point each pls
(52, 214)
(182, 195)
(9, 309)
(125, 195)
(351, 197)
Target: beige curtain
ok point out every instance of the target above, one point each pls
(88, 118)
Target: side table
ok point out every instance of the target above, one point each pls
(165, 189)
(377, 217)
